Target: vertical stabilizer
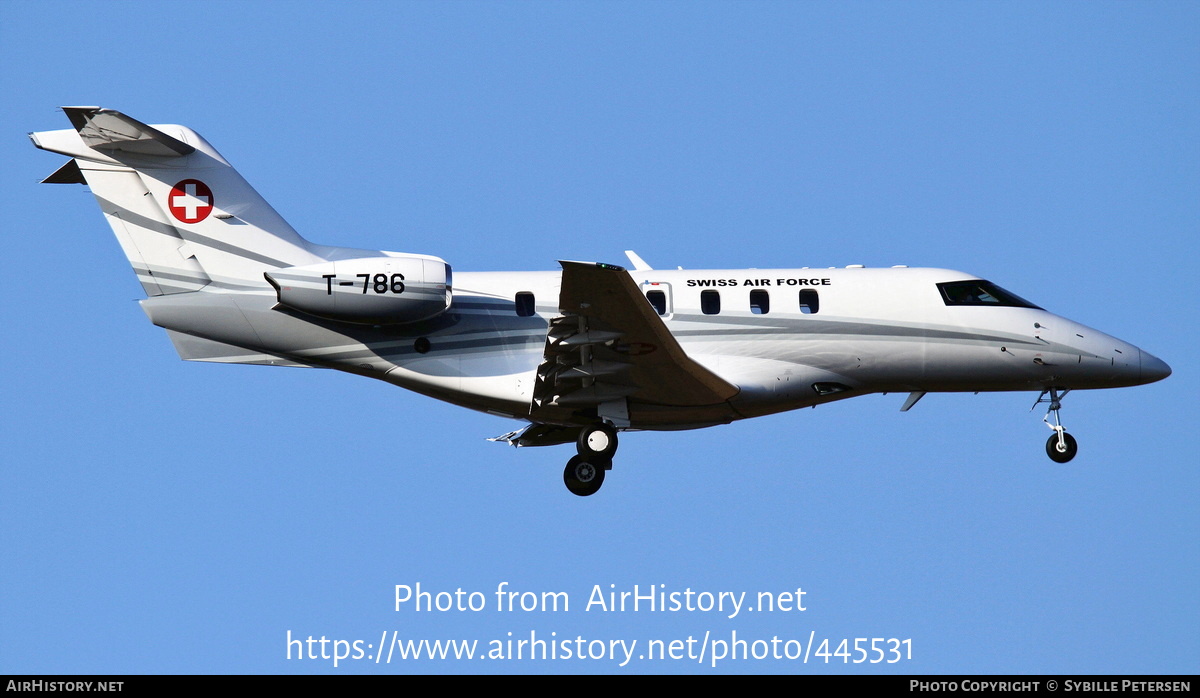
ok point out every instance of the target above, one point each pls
(184, 217)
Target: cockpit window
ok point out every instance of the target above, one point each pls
(979, 292)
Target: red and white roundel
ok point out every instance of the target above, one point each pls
(190, 201)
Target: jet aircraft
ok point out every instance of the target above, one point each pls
(580, 354)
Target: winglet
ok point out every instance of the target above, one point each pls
(639, 264)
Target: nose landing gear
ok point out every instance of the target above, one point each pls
(1061, 446)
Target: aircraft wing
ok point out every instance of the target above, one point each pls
(608, 343)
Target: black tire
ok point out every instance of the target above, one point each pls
(584, 476)
(1061, 455)
(597, 440)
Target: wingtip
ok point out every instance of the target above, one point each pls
(599, 265)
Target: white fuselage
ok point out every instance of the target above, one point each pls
(579, 353)
(874, 330)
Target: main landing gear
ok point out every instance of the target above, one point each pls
(596, 445)
(1061, 446)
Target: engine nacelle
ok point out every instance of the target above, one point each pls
(370, 290)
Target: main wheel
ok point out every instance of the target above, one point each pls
(583, 476)
(1061, 453)
(597, 440)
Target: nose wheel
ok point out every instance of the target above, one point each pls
(1061, 446)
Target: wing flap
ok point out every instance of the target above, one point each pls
(609, 344)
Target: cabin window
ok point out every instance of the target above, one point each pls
(524, 302)
(658, 299)
(810, 303)
(760, 302)
(710, 302)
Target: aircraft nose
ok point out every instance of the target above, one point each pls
(1153, 368)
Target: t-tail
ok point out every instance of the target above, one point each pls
(184, 217)
(190, 224)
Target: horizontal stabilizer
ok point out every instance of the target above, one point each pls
(107, 130)
(184, 216)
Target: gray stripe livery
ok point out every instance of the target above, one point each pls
(579, 353)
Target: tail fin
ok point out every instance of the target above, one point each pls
(184, 217)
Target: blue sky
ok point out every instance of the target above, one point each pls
(160, 516)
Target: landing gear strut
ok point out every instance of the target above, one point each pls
(584, 473)
(1061, 446)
